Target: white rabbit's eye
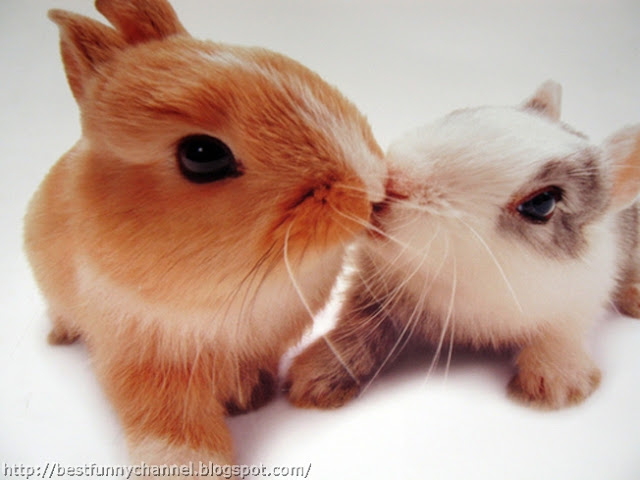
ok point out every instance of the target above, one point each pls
(539, 206)
(205, 159)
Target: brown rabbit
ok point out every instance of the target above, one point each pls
(197, 224)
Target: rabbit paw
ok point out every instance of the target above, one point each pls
(548, 388)
(61, 333)
(628, 300)
(254, 392)
(187, 462)
(317, 379)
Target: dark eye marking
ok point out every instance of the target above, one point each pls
(539, 206)
(204, 159)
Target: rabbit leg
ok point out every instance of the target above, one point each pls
(334, 368)
(168, 408)
(555, 371)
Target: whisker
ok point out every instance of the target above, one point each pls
(407, 332)
(381, 274)
(245, 288)
(445, 326)
(389, 356)
(294, 282)
(267, 270)
(451, 337)
(340, 359)
(367, 225)
(252, 275)
(392, 296)
(353, 188)
(614, 307)
(185, 409)
(408, 205)
(410, 325)
(496, 262)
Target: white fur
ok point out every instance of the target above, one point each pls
(506, 295)
(463, 155)
(460, 173)
(158, 452)
(182, 328)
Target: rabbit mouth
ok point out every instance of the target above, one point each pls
(375, 229)
(379, 212)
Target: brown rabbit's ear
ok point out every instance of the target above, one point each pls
(546, 100)
(141, 20)
(623, 151)
(84, 44)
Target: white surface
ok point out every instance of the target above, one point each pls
(403, 63)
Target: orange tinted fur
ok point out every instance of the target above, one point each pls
(188, 294)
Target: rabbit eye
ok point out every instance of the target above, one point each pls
(205, 159)
(539, 207)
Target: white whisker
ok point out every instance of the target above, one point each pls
(414, 318)
(340, 359)
(394, 294)
(454, 282)
(368, 226)
(495, 261)
(292, 277)
(452, 334)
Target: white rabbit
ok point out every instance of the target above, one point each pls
(503, 228)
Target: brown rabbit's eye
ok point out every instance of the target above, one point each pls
(205, 159)
(539, 207)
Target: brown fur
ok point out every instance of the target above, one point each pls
(188, 294)
(333, 369)
(141, 21)
(167, 400)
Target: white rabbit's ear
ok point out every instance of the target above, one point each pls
(141, 20)
(546, 100)
(84, 44)
(623, 152)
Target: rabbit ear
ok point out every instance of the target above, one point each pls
(546, 100)
(142, 20)
(84, 44)
(623, 151)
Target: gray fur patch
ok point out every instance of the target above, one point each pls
(627, 224)
(585, 197)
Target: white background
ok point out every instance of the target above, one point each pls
(403, 63)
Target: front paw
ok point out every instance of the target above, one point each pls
(62, 333)
(318, 379)
(628, 300)
(254, 391)
(189, 462)
(552, 388)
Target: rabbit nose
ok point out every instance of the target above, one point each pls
(395, 190)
